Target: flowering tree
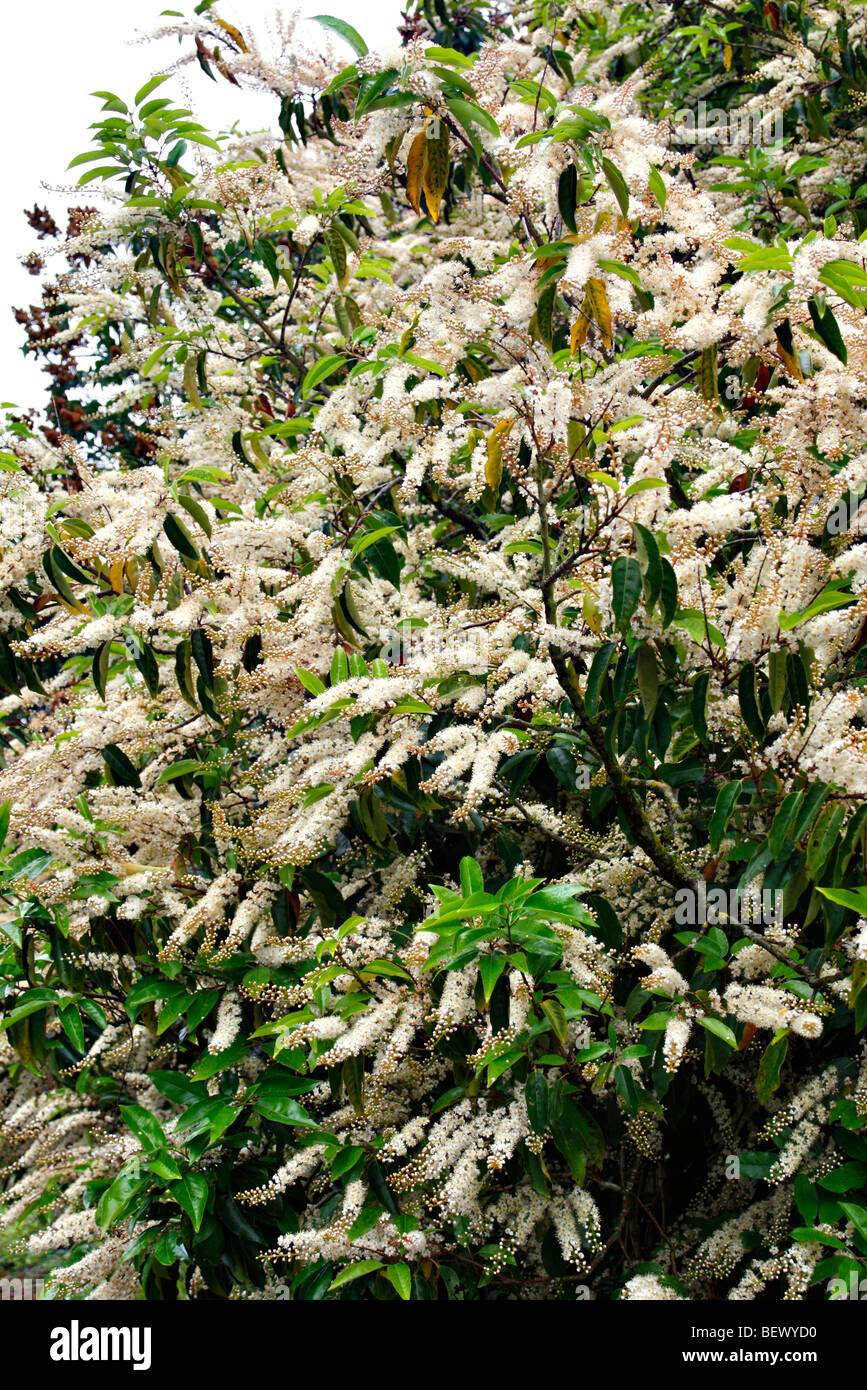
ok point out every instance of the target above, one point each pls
(433, 624)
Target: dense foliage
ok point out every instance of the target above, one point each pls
(433, 618)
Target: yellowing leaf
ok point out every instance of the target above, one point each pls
(580, 328)
(545, 315)
(707, 374)
(435, 173)
(592, 614)
(494, 465)
(414, 169)
(727, 57)
(787, 351)
(599, 309)
(790, 360)
(391, 150)
(234, 34)
(336, 248)
(576, 434)
(191, 385)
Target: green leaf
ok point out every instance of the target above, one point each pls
(177, 1088)
(180, 538)
(451, 56)
(668, 592)
(118, 1198)
(656, 1022)
(617, 184)
(641, 484)
(828, 330)
(339, 667)
(524, 548)
(346, 1159)
(72, 1025)
(698, 627)
(387, 969)
(164, 1166)
(748, 701)
(557, 902)
(545, 315)
(490, 970)
(169, 1248)
(855, 898)
(354, 1271)
(563, 766)
(210, 1115)
(283, 1110)
(784, 820)
(99, 667)
(626, 589)
(844, 1178)
(815, 1236)
(768, 1078)
(596, 675)
(807, 811)
(648, 679)
(826, 602)
(719, 1029)
(34, 1001)
(625, 272)
(191, 1194)
(726, 801)
(148, 990)
(469, 113)
(149, 87)
(823, 837)
(657, 187)
(322, 370)
(536, 1094)
(146, 663)
(648, 554)
(214, 1062)
(119, 765)
(346, 32)
(698, 706)
(847, 279)
(310, 681)
(400, 1278)
(777, 678)
(145, 1126)
(344, 78)
(180, 769)
(857, 1215)
(567, 196)
(471, 877)
(555, 1014)
(576, 1134)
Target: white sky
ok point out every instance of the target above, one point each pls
(65, 49)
